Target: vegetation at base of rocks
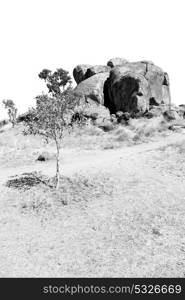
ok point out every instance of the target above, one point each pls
(18, 149)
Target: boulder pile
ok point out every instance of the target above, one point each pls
(129, 87)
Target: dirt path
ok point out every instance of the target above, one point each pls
(136, 231)
(92, 160)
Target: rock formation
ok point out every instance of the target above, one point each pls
(132, 87)
(92, 88)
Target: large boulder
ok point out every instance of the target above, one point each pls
(181, 110)
(96, 70)
(83, 72)
(116, 61)
(92, 88)
(79, 72)
(158, 84)
(126, 91)
(134, 87)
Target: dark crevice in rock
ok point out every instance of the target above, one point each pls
(126, 92)
(146, 67)
(165, 81)
(107, 98)
(153, 102)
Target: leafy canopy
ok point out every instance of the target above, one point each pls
(57, 81)
(52, 115)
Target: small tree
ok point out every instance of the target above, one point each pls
(53, 112)
(12, 110)
(51, 117)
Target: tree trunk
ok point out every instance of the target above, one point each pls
(58, 168)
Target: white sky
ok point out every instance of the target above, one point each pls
(39, 34)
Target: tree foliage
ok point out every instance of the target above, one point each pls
(52, 115)
(56, 81)
(12, 110)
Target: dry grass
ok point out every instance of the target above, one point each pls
(91, 136)
(138, 131)
(171, 159)
(147, 128)
(37, 192)
(17, 149)
(122, 218)
(119, 223)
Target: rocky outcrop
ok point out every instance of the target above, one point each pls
(132, 87)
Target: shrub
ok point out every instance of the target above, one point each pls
(3, 123)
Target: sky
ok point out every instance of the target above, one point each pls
(37, 34)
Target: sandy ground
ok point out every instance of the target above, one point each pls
(135, 229)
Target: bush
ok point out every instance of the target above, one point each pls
(26, 117)
(3, 123)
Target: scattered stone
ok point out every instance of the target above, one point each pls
(45, 156)
(106, 126)
(171, 115)
(156, 231)
(113, 119)
(155, 111)
(122, 117)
